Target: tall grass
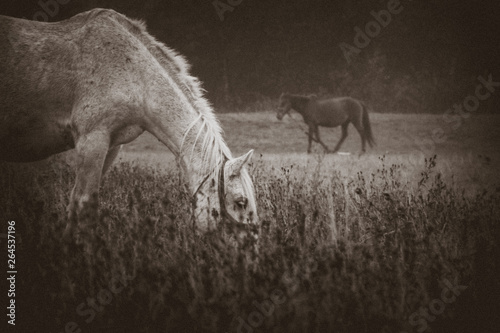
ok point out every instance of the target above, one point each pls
(362, 254)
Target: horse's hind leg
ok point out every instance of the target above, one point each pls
(92, 150)
(359, 128)
(342, 138)
(310, 137)
(316, 132)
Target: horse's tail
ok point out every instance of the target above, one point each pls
(367, 126)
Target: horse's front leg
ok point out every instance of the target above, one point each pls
(342, 138)
(316, 132)
(91, 152)
(310, 137)
(110, 157)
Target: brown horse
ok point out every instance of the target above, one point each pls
(330, 112)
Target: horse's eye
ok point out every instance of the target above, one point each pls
(241, 203)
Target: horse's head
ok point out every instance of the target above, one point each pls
(284, 106)
(228, 197)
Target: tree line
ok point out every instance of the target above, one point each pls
(397, 55)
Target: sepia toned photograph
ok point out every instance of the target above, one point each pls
(250, 166)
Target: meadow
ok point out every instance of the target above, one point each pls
(404, 238)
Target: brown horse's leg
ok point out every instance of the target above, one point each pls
(359, 128)
(316, 132)
(310, 137)
(342, 138)
(91, 150)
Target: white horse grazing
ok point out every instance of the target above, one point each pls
(97, 81)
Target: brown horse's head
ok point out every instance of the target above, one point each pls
(284, 106)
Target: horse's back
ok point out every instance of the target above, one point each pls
(45, 63)
(50, 68)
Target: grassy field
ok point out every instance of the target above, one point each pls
(395, 240)
(470, 153)
(394, 133)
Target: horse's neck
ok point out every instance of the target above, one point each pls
(195, 141)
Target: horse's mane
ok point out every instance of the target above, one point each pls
(213, 148)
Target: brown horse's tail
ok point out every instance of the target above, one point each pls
(367, 126)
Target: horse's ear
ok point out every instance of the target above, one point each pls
(235, 165)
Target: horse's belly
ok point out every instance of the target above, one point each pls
(125, 135)
(330, 114)
(333, 122)
(32, 144)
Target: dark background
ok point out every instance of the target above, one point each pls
(425, 60)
